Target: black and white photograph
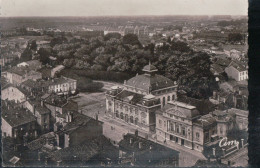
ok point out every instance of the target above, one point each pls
(124, 83)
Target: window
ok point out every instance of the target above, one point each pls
(221, 130)
(173, 97)
(163, 101)
(131, 119)
(183, 132)
(136, 121)
(197, 135)
(169, 98)
(178, 129)
(164, 123)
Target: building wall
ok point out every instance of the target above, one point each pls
(64, 87)
(198, 138)
(12, 93)
(242, 122)
(92, 130)
(232, 73)
(6, 129)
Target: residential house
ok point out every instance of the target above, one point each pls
(14, 93)
(17, 75)
(241, 118)
(137, 151)
(58, 104)
(57, 69)
(41, 112)
(78, 128)
(237, 71)
(32, 64)
(61, 86)
(17, 122)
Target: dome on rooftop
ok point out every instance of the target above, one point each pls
(150, 68)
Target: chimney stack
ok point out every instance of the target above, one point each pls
(131, 140)
(214, 151)
(242, 142)
(42, 103)
(140, 145)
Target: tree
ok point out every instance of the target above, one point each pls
(112, 35)
(235, 37)
(131, 39)
(44, 55)
(26, 55)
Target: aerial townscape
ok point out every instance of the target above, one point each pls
(124, 91)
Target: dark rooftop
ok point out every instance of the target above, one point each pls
(16, 116)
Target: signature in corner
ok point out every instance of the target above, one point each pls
(224, 142)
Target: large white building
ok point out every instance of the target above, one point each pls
(140, 97)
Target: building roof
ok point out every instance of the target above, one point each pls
(150, 83)
(206, 121)
(130, 97)
(239, 112)
(237, 65)
(17, 116)
(57, 81)
(53, 99)
(148, 151)
(181, 109)
(78, 120)
(150, 68)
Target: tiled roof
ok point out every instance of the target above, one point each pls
(82, 152)
(130, 97)
(238, 66)
(17, 116)
(148, 151)
(78, 120)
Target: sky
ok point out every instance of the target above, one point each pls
(11, 8)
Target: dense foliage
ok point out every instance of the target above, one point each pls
(103, 57)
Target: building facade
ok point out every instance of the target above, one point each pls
(140, 97)
(237, 71)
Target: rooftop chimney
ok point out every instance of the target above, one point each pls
(214, 151)
(140, 145)
(131, 140)
(42, 103)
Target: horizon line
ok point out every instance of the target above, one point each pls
(1, 16)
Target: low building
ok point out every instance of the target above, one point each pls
(77, 129)
(237, 71)
(41, 113)
(58, 104)
(241, 118)
(17, 122)
(33, 64)
(139, 151)
(13, 93)
(56, 70)
(17, 75)
(61, 86)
